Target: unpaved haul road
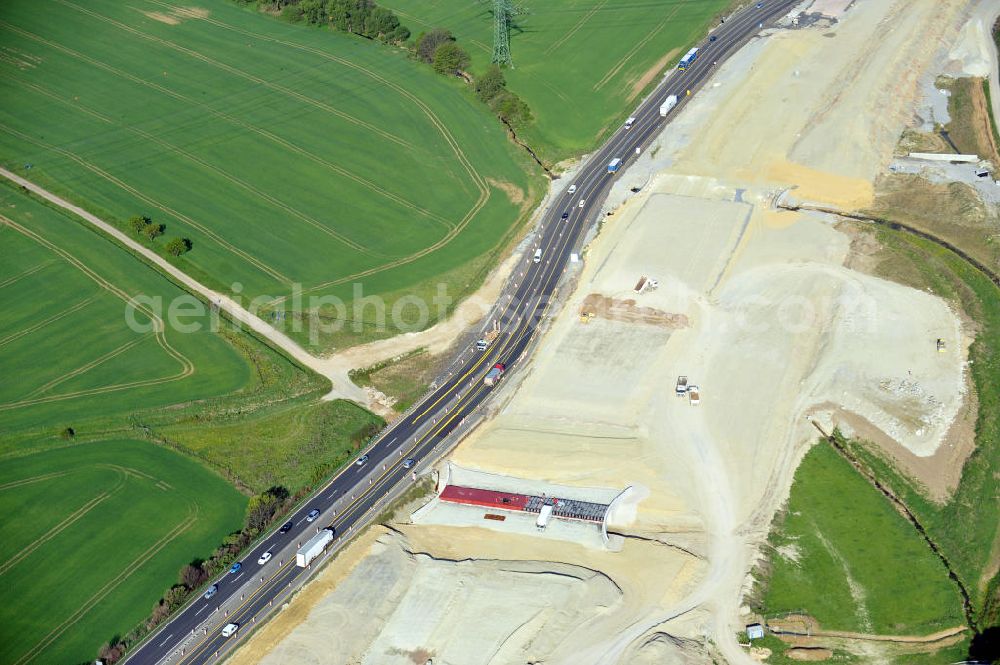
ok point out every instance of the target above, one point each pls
(342, 386)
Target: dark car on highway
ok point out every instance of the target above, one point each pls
(287, 526)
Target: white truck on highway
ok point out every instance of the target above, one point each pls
(313, 548)
(669, 103)
(491, 335)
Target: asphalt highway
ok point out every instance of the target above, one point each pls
(347, 501)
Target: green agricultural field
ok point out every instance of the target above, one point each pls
(286, 154)
(97, 523)
(65, 337)
(579, 64)
(92, 534)
(843, 555)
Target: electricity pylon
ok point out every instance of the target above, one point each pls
(503, 13)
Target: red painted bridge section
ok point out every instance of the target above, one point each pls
(565, 508)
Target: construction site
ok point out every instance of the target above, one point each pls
(614, 505)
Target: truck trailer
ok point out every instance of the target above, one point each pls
(669, 103)
(688, 59)
(313, 548)
(493, 376)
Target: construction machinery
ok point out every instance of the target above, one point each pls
(491, 335)
(644, 284)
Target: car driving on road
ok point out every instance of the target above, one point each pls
(565, 216)
(264, 558)
(313, 514)
(572, 188)
(287, 526)
(582, 203)
(211, 591)
(362, 460)
(409, 462)
(235, 568)
(230, 629)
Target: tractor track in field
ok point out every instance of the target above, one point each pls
(235, 71)
(176, 214)
(477, 179)
(68, 521)
(86, 367)
(632, 51)
(576, 27)
(110, 586)
(13, 337)
(171, 148)
(93, 168)
(187, 367)
(374, 187)
(442, 128)
(342, 387)
(24, 273)
(34, 479)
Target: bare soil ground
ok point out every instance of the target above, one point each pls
(629, 312)
(778, 327)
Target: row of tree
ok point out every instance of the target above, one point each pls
(144, 227)
(358, 17)
(439, 48)
(262, 510)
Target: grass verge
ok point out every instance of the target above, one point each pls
(404, 378)
(843, 555)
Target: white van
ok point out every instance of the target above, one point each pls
(230, 629)
(538, 256)
(629, 123)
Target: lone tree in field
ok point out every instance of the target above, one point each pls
(450, 58)
(178, 246)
